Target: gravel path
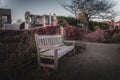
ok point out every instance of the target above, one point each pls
(98, 62)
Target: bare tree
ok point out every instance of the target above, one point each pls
(89, 7)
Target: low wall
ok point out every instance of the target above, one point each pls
(11, 27)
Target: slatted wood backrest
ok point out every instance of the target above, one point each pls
(48, 40)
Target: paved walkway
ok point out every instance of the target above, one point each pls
(98, 62)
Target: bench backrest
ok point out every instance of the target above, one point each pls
(48, 40)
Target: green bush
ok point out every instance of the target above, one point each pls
(67, 43)
(93, 24)
(71, 20)
(104, 26)
(116, 37)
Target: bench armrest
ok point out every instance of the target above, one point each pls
(49, 47)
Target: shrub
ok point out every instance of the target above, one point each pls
(67, 43)
(74, 33)
(92, 25)
(17, 47)
(96, 36)
(116, 37)
(71, 20)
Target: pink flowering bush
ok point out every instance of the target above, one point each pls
(112, 35)
(96, 36)
(104, 36)
(8, 36)
(74, 33)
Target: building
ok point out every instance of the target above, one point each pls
(39, 20)
(5, 16)
(117, 25)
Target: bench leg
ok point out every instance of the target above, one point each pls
(56, 64)
(74, 51)
(38, 60)
(56, 60)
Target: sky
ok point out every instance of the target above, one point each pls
(40, 7)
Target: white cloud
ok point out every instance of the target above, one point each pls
(117, 9)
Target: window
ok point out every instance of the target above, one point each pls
(4, 19)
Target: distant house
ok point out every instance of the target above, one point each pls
(117, 24)
(6, 20)
(107, 22)
(110, 23)
(5, 16)
(113, 23)
(39, 20)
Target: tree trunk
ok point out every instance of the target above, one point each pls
(76, 19)
(63, 32)
(87, 22)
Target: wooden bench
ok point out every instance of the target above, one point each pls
(51, 47)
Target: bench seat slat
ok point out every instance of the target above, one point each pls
(61, 51)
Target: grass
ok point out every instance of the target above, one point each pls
(67, 43)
